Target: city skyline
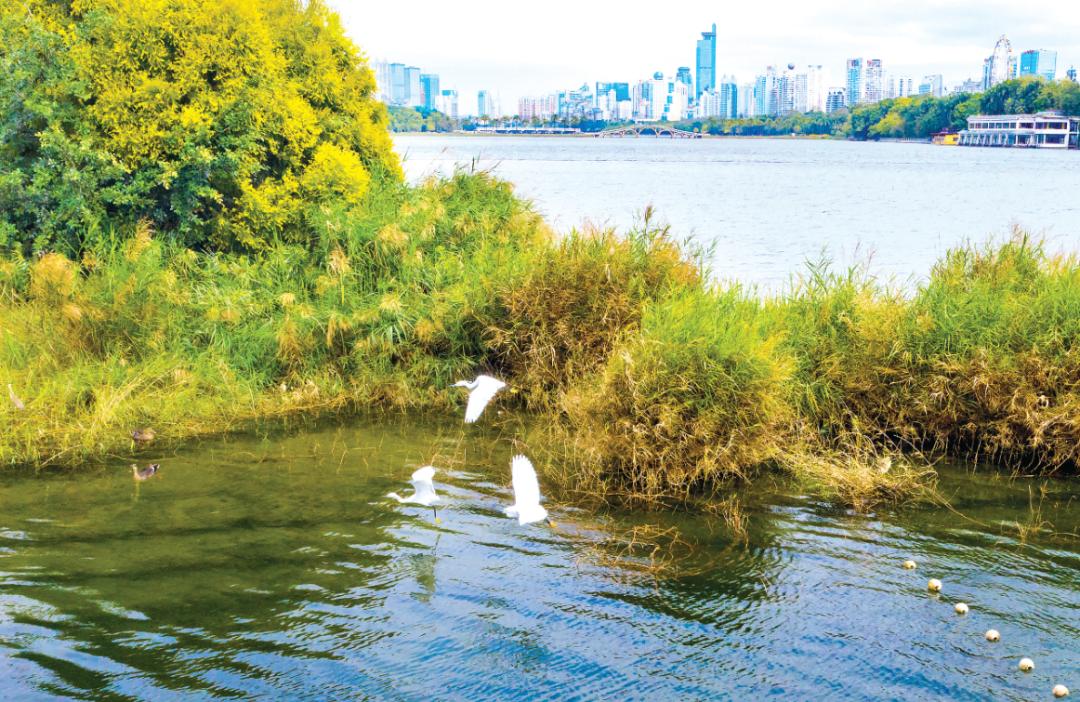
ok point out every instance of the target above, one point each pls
(913, 39)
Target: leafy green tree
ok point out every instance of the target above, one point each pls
(225, 124)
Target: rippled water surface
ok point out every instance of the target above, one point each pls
(275, 568)
(768, 205)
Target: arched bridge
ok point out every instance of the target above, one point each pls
(653, 130)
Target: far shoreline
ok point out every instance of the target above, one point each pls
(594, 135)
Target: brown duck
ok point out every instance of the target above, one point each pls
(141, 474)
(143, 436)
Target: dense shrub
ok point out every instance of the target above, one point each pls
(225, 125)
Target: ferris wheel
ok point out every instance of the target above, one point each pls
(1000, 60)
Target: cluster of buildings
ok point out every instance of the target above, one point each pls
(704, 92)
(408, 86)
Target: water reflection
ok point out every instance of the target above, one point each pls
(274, 567)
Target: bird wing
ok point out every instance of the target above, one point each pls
(486, 387)
(526, 487)
(424, 489)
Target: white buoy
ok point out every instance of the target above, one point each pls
(934, 585)
(992, 635)
(961, 608)
(1061, 691)
(909, 565)
(1027, 665)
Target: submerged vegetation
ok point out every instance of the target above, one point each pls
(166, 292)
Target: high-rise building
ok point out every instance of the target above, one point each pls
(399, 87)
(1039, 62)
(448, 103)
(381, 69)
(746, 102)
(905, 87)
(836, 99)
(855, 81)
(1071, 73)
(485, 105)
(761, 96)
(413, 92)
(683, 76)
(815, 89)
(706, 61)
(802, 93)
(774, 92)
(429, 89)
(873, 87)
(785, 91)
(729, 97)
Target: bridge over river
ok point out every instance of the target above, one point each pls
(653, 130)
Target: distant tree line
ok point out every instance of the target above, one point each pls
(922, 117)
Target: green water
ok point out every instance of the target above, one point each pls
(275, 568)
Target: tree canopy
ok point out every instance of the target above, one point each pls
(225, 123)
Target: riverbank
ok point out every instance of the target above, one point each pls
(656, 385)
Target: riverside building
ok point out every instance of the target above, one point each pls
(1044, 130)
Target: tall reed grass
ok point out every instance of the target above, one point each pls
(659, 385)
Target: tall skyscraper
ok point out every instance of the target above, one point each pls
(429, 87)
(413, 92)
(746, 100)
(729, 97)
(932, 85)
(815, 88)
(761, 96)
(1039, 62)
(873, 86)
(382, 80)
(855, 81)
(399, 90)
(802, 92)
(706, 61)
(485, 105)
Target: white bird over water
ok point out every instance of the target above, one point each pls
(526, 505)
(423, 490)
(481, 391)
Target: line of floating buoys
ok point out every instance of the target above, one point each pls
(992, 635)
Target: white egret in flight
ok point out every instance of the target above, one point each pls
(481, 391)
(423, 490)
(526, 505)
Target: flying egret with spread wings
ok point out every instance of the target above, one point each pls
(423, 490)
(526, 505)
(481, 391)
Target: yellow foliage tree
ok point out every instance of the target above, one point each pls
(221, 121)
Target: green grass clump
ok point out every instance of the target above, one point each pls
(698, 396)
(990, 361)
(563, 307)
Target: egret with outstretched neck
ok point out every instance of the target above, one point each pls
(481, 391)
(423, 490)
(526, 505)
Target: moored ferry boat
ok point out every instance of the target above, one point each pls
(946, 138)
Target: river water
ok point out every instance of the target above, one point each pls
(273, 567)
(767, 206)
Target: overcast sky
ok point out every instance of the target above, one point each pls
(532, 48)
